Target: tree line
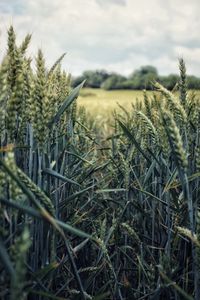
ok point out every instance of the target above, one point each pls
(140, 79)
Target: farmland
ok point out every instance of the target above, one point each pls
(103, 102)
(93, 207)
(99, 102)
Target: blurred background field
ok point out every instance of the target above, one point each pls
(102, 103)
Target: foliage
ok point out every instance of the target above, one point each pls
(93, 79)
(113, 82)
(140, 79)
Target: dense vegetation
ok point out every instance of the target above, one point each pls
(138, 80)
(89, 217)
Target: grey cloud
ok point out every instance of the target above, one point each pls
(121, 37)
(106, 2)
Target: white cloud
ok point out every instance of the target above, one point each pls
(118, 35)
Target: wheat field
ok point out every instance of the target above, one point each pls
(96, 207)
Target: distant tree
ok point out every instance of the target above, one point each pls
(114, 82)
(128, 84)
(143, 77)
(94, 79)
(145, 70)
(193, 82)
(140, 79)
(169, 81)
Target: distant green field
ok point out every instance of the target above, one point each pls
(101, 102)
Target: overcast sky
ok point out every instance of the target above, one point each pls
(116, 35)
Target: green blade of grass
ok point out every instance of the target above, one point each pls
(75, 195)
(6, 260)
(59, 176)
(110, 191)
(72, 96)
(133, 140)
(34, 213)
